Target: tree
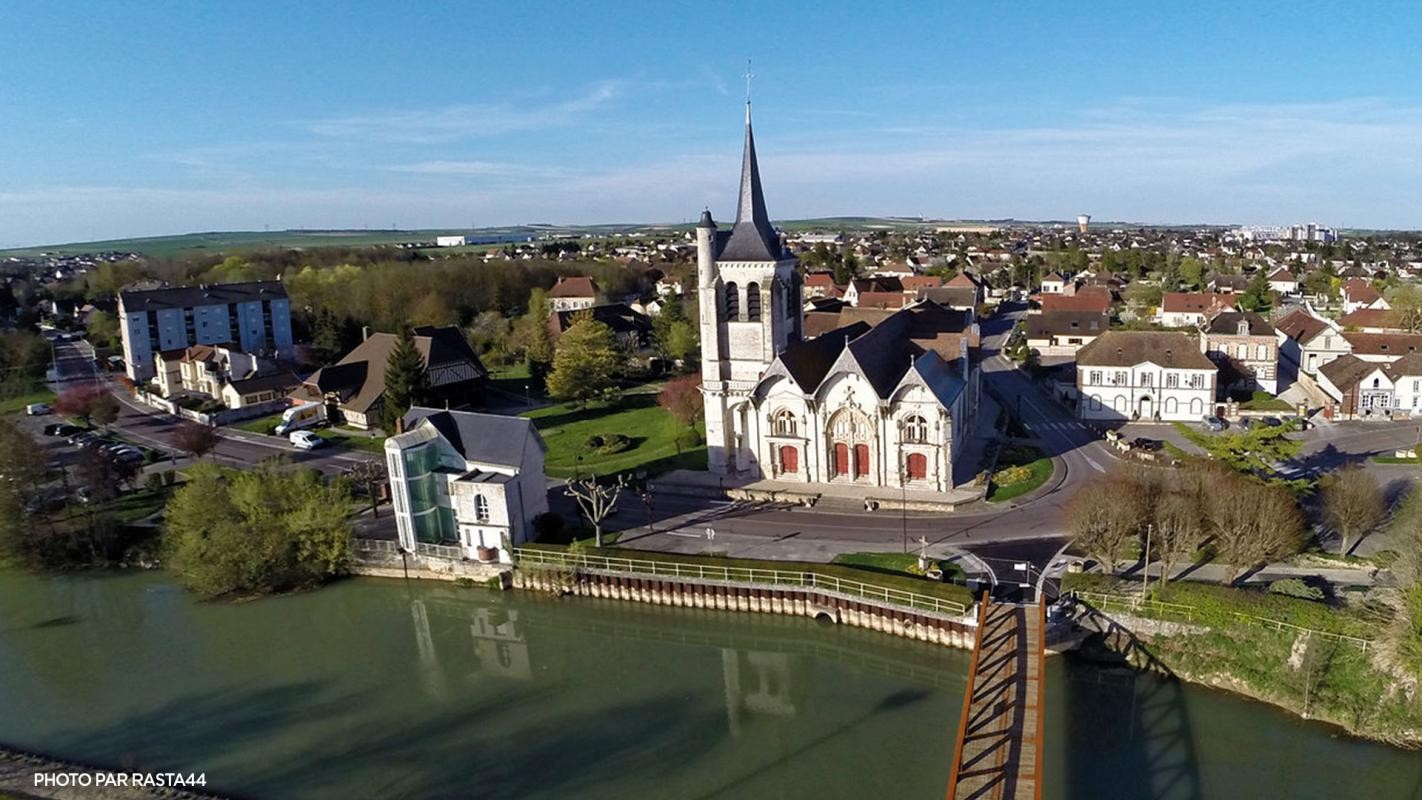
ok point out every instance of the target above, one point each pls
(532, 337)
(196, 440)
(1252, 522)
(682, 399)
(102, 328)
(369, 474)
(406, 381)
(1353, 504)
(585, 362)
(1254, 451)
(596, 500)
(1405, 301)
(1103, 516)
(326, 338)
(1141, 295)
(22, 472)
(1192, 272)
(89, 402)
(257, 532)
(1257, 295)
(847, 269)
(1179, 528)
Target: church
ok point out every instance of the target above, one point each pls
(884, 400)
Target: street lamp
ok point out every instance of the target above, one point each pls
(903, 500)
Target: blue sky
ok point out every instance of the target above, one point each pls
(141, 118)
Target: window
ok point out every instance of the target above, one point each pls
(1261, 352)
(753, 302)
(481, 508)
(1146, 379)
(1196, 381)
(784, 424)
(733, 302)
(915, 430)
(1172, 380)
(1095, 377)
(1121, 378)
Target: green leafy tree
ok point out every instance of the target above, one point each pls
(102, 328)
(326, 338)
(847, 269)
(1253, 451)
(22, 471)
(1405, 300)
(257, 532)
(585, 364)
(406, 381)
(532, 337)
(1257, 295)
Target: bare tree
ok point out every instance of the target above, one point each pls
(1252, 523)
(1179, 528)
(1104, 516)
(1353, 504)
(595, 500)
(195, 439)
(369, 475)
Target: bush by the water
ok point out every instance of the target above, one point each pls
(607, 444)
(257, 532)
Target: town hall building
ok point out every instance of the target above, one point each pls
(885, 401)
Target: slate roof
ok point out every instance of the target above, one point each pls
(1067, 323)
(276, 381)
(358, 379)
(1128, 348)
(1227, 324)
(810, 360)
(484, 438)
(620, 317)
(202, 295)
(952, 296)
(752, 238)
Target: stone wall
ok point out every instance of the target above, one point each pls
(418, 566)
(684, 593)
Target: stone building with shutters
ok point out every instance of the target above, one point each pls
(879, 402)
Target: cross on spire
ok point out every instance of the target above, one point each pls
(748, 76)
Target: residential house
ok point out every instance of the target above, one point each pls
(1091, 299)
(877, 286)
(1310, 341)
(1283, 282)
(1063, 333)
(821, 284)
(1370, 320)
(1362, 389)
(1144, 375)
(1359, 293)
(1192, 309)
(1382, 347)
(1054, 283)
(668, 286)
(1245, 348)
(630, 326)
(573, 293)
(354, 387)
(255, 317)
(1228, 284)
(475, 480)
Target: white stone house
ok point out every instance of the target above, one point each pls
(473, 480)
(1144, 375)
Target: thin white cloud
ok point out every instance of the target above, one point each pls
(428, 126)
(492, 169)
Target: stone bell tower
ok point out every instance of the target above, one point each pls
(750, 296)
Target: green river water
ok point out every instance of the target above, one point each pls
(381, 689)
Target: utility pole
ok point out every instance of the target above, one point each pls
(1145, 569)
(903, 501)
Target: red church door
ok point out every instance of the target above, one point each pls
(841, 459)
(789, 459)
(917, 466)
(861, 460)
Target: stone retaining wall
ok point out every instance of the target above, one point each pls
(423, 567)
(684, 593)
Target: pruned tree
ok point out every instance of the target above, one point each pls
(1353, 505)
(682, 399)
(1104, 517)
(595, 500)
(1179, 528)
(369, 474)
(195, 439)
(1252, 522)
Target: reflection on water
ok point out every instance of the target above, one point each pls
(383, 689)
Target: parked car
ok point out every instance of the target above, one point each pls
(306, 440)
(1148, 445)
(38, 409)
(1215, 424)
(61, 429)
(131, 455)
(83, 438)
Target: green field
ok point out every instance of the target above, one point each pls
(897, 564)
(659, 442)
(16, 404)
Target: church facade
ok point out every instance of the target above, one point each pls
(884, 400)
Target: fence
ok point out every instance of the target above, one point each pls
(1191, 613)
(390, 546)
(712, 572)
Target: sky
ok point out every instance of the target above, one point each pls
(121, 118)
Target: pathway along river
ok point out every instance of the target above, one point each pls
(380, 689)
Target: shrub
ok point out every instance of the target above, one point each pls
(608, 444)
(1295, 587)
(1011, 476)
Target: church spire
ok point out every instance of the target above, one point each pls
(753, 238)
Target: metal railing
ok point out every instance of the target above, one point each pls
(550, 559)
(450, 552)
(1190, 613)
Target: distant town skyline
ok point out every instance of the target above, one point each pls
(169, 118)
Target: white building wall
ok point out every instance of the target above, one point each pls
(1144, 393)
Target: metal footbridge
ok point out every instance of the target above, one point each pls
(999, 751)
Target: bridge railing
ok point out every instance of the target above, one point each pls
(552, 559)
(1136, 604)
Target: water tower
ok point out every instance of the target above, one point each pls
(1081, 222)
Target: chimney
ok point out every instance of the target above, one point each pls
(364, 332)
(400, 425)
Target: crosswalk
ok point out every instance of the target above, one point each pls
(1057, 426)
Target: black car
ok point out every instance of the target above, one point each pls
(61, 429)
(1148, 445)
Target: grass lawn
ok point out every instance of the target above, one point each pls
(659, 442)
(1038, 470)
(951, 592)
(127, 507)
(1263, 401)
(1394, 460)
(352, 439)
(260, 425)
(16, 404)
(897, 564)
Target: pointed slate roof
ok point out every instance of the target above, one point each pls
(752, 238)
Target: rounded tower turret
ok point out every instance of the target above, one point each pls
(705, 251)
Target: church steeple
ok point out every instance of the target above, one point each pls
(753, 238)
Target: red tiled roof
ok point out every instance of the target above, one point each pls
(1367, 318)
(575, 286)
(1096, 302)
(1177, 302)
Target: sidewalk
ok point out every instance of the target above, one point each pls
(1219, 573)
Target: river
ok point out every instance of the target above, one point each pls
(381, 689)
